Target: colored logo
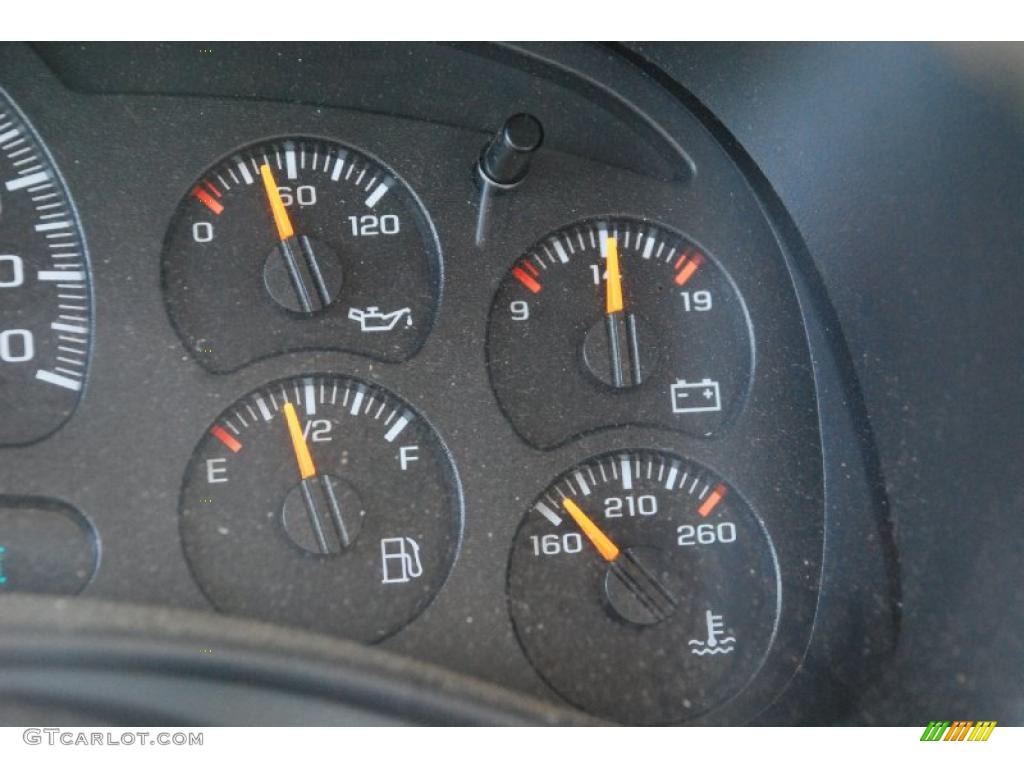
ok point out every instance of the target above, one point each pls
(960, 730)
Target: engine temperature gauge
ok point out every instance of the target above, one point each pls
(614, 322)
(643, 588)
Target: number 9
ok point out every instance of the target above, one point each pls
(520, 310)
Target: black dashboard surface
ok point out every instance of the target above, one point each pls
(900, 166)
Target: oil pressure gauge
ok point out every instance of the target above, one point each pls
(612, 322)
(300, 244)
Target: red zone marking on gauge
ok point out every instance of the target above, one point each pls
(712, 500)
(520, 274)
(222, 434)
(206, 199)
(686, 265)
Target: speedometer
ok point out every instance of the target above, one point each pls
(45, 296)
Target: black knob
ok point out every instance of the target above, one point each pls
(505, 160)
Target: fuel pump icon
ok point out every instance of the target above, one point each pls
(400, 560)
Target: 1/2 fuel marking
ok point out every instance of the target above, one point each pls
(309, 398)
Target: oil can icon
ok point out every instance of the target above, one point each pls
(696, 396)
(373, 320)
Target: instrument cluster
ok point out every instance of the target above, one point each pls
(529, 397)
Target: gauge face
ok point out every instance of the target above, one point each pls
(615, 322)
(300, 244)
(45, 296)
(323, 502)
(642, 588)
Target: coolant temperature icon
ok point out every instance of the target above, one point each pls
(716, 642)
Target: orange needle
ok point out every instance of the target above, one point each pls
(302, 456)
(605, 546)
(281, 220)
(613, 277)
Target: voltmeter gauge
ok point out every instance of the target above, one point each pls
(45, 294)
(614, 322)
(323, 502)
(298, 244)
(643, 588)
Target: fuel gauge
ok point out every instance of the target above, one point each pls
(322, 502)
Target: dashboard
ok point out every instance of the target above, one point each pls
(477, 374)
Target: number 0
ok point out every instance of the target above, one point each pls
(202, 231)
(17, 346)
(16, 271)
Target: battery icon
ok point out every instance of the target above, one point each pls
(695, 396)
